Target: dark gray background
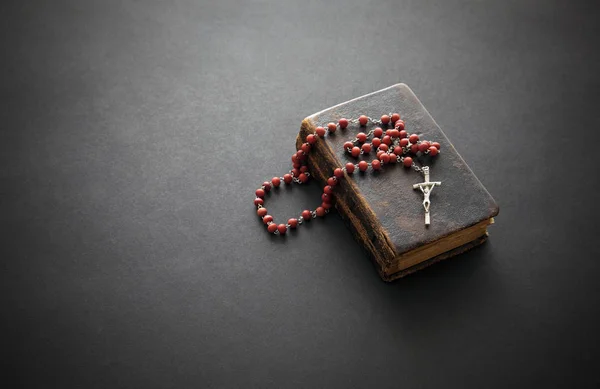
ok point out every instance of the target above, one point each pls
(135, 133)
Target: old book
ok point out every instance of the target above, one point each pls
(383, 211)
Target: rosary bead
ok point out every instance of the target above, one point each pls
(303, 178)
(362, 166)
(295, 158)
(363, 120)
(320, 131)
(325, 197)
(407, 161)
(331, 181)
(339, 173)
(332, 127)
(385, 158)
(261, 212)
(393, 158)
(320, 211)
(287, 178)
(366, 148)
(423, 146)
(300, 156)
(376, 142)
(395, 117)
(403, 134)
(267, 219)
(399, 125)
(303, 169)
(306, 147)
(276, 181)
(388, 132)
(378, 132)
(293, 222)
(348, 145)
(295, 172)
(414, 148)
(387, 140)
(343, 122)
(362, 137)
(260, 193)
(380, 153)
(385, 119)
(398, 150)
(350, 168)
(433, 151)
(436, 145)
(282, 229)
(267, 186)
(272, 228)
(403, 142)
(328, 189)
(375, 164)
(311, 138)
(414, 138)
(395, 133)
(326, 205)
(306, 215)
(258, 201)
(297, 165)
(383, 147)
(355, 152)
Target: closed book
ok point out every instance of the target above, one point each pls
(383, 209)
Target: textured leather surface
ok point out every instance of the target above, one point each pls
(461, 201)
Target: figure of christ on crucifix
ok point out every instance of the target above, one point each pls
(426, 187)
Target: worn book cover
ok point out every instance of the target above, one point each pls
(383, 211)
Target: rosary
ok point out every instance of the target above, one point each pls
(395, 146)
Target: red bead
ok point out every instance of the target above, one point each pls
(385, 119)
(303, 169)
(436, 145)
(433, 151)
(328, 189)
(363, 165)
(267, 219)
(375, 164)
(326, 205)
(306, 147)
(295, 172)
(320, 211)
(300, 156)
(350, 168)
(395, 117)
(287, 178)
(383, 147)
(363, 120)
(306, 215)
(293, 222)
(376, 142)
(276, 181)
(282, 229)
(378, 132)
(423, 146)
(267, 186)
(272, 228)
(403, 142)
(395, 134)
(295, 158)
(331, 127)
(339, 173)
(343, 122)
(348, 145)
(407, 161)
(258, 201)
(387, 140)
(385, 158)
(362, 137)
(366, 148)
(414, 138)
(297, 165)
(331, 181)
(414, 148)
(320, 131)
(398, 150)
(261, 212)
(400, 125)
(388, 132)
(260, 193)
(403, 134)
(303, 178)
(393, 158)
(326, 198)
(311, 138)
(355, 152)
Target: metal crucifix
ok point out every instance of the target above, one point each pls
(426, 187)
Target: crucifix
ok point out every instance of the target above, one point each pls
(426, 187)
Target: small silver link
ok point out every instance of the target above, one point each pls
(313, 214)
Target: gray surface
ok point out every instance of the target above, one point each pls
(134, 135)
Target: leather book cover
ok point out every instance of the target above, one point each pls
(383, 211)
